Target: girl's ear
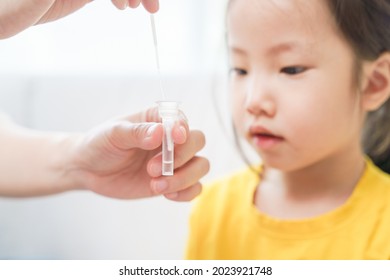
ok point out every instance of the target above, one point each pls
(377, 86)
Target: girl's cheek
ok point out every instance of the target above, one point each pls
(239, 111)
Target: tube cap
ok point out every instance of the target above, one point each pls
(168, 108)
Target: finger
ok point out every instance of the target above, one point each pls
(120, 4)
(57, 10)
(151, 115)
(179, 132)
(151, 6)
(134, 3)
(180, 129)
(183, 177)
(125, 135)
(148, 115)
(187, 194)
(183, 153)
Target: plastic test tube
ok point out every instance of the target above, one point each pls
(168, 111)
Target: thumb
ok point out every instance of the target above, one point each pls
(146, 136)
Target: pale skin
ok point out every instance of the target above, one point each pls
(120, 158)
(300, 88)
(17, 15)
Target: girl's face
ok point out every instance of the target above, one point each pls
(295, 97)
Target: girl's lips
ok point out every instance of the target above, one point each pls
(264, 138)
(266, 142)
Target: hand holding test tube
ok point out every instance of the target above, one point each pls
(168, 111)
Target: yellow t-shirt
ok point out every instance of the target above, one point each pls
(225, 224)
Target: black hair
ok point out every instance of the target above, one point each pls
(366, 25)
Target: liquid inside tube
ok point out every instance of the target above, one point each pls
(167, 149)
(169, 112)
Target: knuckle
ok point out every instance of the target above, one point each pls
(116, 128)
(151, 114)
(192, 192)
(180, 182)
(179, 160)
(200, 139)
(115, 133)
(198, 188)
(205, 163)
(138, 130)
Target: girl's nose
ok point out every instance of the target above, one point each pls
(260, 99)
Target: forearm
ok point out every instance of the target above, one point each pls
(34, 163)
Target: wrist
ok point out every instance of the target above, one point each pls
(66, 163)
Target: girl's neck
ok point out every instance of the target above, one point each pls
(312, 190)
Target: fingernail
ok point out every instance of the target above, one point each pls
(160, 186)
(151, 130)
(183, 116)
(172, 195)
(183, 131)
(125, 5)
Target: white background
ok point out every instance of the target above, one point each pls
(98, 63)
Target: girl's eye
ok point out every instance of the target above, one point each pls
(238, 71)
(293, 70)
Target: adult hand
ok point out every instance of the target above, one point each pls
(122, 159)
(150, 5)
(17, 15)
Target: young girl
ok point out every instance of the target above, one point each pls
(308, 79)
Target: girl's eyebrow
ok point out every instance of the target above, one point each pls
(237, 50)
(285, 47)
(277, 49)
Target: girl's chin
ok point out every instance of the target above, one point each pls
(280, 163)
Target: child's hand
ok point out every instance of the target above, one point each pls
(122, 159)
(17, 15)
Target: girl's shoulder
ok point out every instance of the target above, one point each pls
(375, 186)
(375, 177)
